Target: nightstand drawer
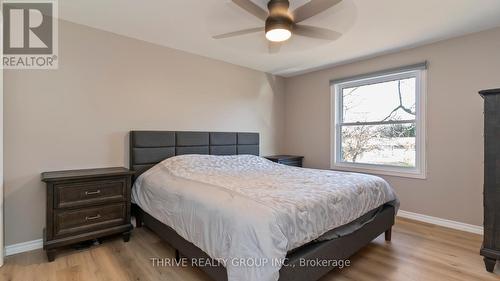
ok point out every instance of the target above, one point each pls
(295, 163)
(78, 194)
(70, 222)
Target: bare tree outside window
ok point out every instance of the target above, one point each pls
(379, 123)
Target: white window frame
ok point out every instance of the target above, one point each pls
(336, 163)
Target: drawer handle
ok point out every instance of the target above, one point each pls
(92, 192)
(92, 218)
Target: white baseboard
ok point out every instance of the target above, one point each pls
(23, 247)
(38, 244)
(442, 222)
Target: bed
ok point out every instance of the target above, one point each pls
(217, 200)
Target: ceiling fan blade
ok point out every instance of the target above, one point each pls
(312, 8)
(252, 8)
(239, 32)
(274, 47)
(316, 32)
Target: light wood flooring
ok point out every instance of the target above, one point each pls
(417, 252)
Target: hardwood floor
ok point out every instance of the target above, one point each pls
(417, 252)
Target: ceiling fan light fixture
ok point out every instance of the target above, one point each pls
(281, 23)
(278, 29)
(278, 35)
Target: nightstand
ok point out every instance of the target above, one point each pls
(85, 205)
(290, 160)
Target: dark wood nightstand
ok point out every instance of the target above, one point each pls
(290, 160)
(85, 205)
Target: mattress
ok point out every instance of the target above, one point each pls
(248, 212)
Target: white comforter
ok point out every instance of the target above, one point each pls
(248, 212)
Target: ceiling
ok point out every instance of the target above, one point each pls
(369, 28)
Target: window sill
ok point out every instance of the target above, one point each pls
(378, 170)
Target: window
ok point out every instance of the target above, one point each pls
(378, 123)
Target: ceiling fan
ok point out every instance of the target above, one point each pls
(281, 23)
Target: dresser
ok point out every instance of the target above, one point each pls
(491, 244)
(85, 205)
(290, 160)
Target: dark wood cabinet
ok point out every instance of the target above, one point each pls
(491, 244)
(84, 205)
(290, 160)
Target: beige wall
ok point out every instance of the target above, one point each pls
(458, 68)
(78, 116)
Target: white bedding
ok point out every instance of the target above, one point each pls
(245, 209)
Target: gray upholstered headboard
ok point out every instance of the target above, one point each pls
(148, 148)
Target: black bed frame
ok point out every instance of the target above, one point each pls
(148, 148)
